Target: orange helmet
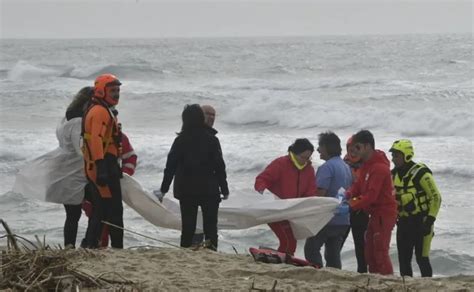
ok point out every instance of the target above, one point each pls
(349, 156)
(100, 87)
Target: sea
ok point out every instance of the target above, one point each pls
(267, 92)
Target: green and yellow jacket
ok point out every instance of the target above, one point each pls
(416, 191)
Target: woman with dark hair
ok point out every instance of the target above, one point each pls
(68, 134)
(289, 176)
(195, 163)
(58, 176)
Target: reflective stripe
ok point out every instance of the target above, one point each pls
(128, 154)
(87, 136)
(129, 165)
(411, 198)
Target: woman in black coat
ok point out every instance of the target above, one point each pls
(196, 164)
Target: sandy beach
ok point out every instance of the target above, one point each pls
(173, 269)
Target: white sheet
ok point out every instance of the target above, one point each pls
(306, 215)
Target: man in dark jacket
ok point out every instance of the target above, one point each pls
(209, 118)
(373, 192)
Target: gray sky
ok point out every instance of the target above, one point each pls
(197, 18)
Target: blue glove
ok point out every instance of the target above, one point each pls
(342, 208)
(159, 195)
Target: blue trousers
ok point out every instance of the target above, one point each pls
(332, 237)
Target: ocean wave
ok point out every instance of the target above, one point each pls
(9, 156)
(350, 83)
(457, 172)
(4, 74)
(450, 262)
(133, 72)
(280, 69)
(24, 70)
(284, 111)
(457, 61)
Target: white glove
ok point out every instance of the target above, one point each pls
(159, 195)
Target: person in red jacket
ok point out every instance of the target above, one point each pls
(289, 176)
(129, 157)
(373, 192)
(358, 218)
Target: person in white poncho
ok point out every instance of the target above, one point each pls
(58, 176)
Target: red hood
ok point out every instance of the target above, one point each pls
(378, 157)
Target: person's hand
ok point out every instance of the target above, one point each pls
(225, 197)
(427, 225)
(159, 195)
(342, 208)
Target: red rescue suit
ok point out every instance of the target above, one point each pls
(373, 192)
(285, 180)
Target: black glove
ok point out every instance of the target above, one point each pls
(428, 224)
(102, 173)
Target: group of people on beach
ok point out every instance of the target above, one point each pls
(374, 198)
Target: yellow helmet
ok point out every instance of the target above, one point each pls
(404, 146)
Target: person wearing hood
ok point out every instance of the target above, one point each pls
(373, 192)
(68, 134)
(58, 176)
(289, 176)
(418, 201)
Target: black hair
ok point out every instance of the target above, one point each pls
(332, 143)
(79, 103)
(300, 146)
(193, 119)
(364, 137)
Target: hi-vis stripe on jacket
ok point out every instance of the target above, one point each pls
(129, 157)
(100, 128)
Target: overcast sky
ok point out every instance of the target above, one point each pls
(198, 18)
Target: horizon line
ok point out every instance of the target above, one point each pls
(241, 37)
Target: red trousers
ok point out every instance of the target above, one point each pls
(377, 243)
(282, 230)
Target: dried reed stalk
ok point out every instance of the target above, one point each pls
(37, 266)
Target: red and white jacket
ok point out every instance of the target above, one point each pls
(129, 158)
